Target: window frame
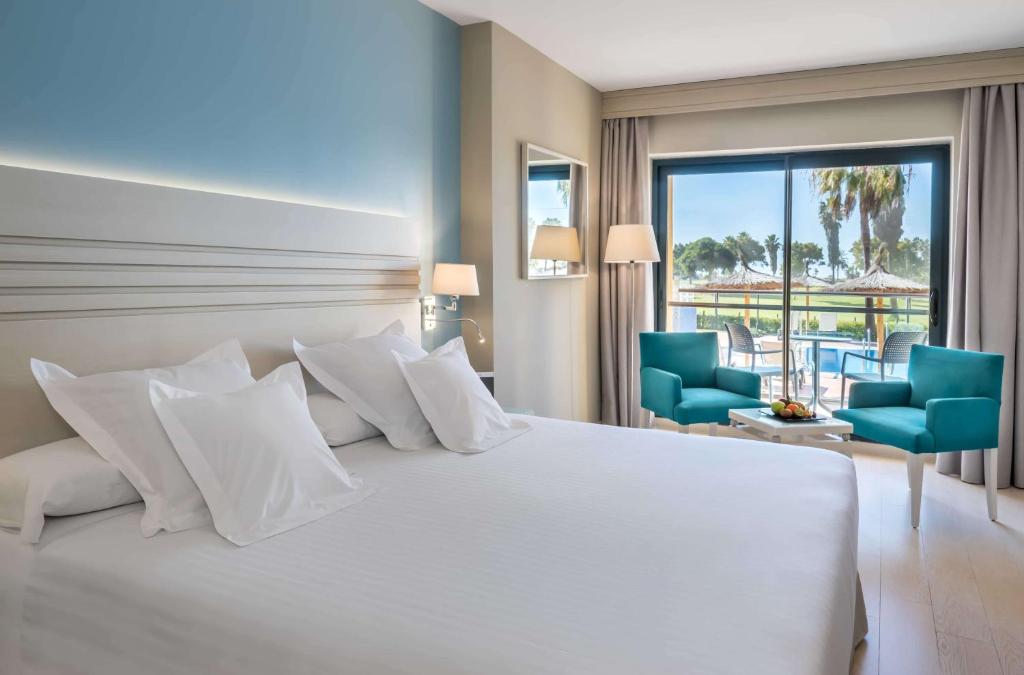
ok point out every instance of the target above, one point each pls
(937, 154)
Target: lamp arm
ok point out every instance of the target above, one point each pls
(453, 304)
(479, 333)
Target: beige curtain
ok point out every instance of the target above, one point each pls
(625, 198)
(987, 287)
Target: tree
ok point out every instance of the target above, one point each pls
(871, 189)
(912, 259)
(747, 249)
(772, 245)
(804, 254)
(889, 225)
(705, 255)
(831, 225)
(563, 187)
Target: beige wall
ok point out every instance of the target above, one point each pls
(543, 341)
(883, 119)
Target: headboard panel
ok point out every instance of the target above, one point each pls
(99, 274)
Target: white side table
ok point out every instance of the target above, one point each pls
(778, 431)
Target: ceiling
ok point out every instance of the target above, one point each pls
(622, 44)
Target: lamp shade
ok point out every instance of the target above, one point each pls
(454, 279)
(631, 243)
(555, 242)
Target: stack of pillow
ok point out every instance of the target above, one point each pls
(205, 441)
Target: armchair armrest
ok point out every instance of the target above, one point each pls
(660, 391)
(879, 394)
(963, 423)
(738, 381)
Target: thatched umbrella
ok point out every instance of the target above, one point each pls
(877, 280)
(805, 280)
(747, 280)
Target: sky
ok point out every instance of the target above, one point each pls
(545, 201)
(717, 205)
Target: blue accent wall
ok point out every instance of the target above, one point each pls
(353, 103)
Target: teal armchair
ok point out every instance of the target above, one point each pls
(680, 380)
(949, 402)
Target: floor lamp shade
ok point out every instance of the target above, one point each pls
(555, 242)
(454, 279)
(631, 243)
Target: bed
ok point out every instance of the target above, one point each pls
(575, 548)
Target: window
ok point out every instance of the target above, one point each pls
(865, 233)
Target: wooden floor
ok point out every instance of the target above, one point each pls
(948, 597)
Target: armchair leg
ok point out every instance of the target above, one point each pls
(713, 429)
(991, 480)
(915, 476)
(684, 428)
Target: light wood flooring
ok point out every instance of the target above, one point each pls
(948, 597)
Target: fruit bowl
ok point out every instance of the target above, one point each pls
(790, 410)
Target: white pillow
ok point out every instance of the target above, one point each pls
(464, 415)
(337, 421)
(363, 373)
(64, 478)
(112, 412)
(256, 455)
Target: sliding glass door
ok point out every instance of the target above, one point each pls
(853, 243)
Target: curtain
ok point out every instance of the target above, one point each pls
(988, 249)
(625, 198)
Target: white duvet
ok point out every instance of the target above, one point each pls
(571, 549)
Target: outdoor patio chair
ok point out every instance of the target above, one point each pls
(741, 341)
(895, 350)
(949, 402)
(680, 380)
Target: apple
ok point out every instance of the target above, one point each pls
(777, 407)
(785, 412)
(793, 407)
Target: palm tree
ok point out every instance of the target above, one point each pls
(871, 189)
(772, 246)
(831, 225)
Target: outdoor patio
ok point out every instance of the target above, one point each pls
(829, 323)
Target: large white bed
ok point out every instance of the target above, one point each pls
(574, 548)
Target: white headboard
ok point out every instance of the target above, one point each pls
(99, 274)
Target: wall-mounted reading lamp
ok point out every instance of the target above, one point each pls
(453, 280)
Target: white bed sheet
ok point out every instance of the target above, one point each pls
(572, 549)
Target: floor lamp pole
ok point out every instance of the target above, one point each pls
(629, 351)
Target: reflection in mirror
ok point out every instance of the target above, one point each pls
(555, 214)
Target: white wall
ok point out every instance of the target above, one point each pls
(544, 342)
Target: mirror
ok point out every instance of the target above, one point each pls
(554, 215)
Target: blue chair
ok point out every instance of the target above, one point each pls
(680, 379)
(950, 401)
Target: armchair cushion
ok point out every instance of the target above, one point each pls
(879, 394)
(963, 423)
(901, 426)
(738, 381)
(691, 356)
(660, 391)
(937, 372)
(704, 405)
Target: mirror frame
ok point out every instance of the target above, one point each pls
(524, 209)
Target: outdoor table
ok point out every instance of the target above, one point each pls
(816, 339)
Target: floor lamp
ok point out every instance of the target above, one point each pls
(631, 244)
